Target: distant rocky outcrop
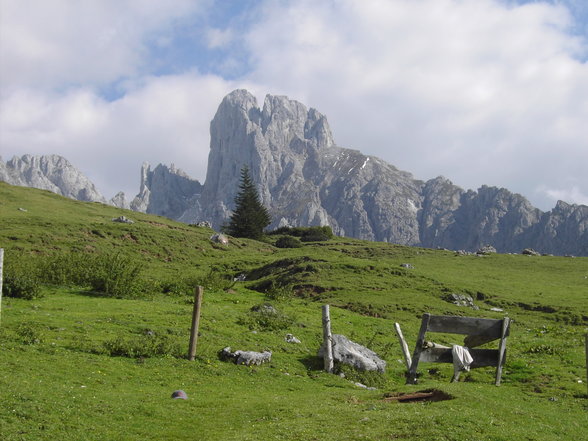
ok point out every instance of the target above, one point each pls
(166, 191)
(120, 200)
(50, 172)
(305, 179)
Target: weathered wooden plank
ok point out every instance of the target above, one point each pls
(412, 373)
(403, 345)
(482, 357)
(465, 325)
(472, 341)
(502, 349)
(198, 293)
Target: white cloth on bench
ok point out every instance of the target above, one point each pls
(461, 359)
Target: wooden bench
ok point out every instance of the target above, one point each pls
(477, 330)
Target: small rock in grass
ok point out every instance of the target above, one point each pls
(291, 339)
(179, 395)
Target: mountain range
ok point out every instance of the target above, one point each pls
(304, 179)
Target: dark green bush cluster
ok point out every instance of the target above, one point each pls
(145, 346)
(288, 242)
(21, 279)
(112, 274)
(306, 234)
(266, 318)
(30, 334)
(116, 275)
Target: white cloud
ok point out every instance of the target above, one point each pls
(478, 91)
(165, 120)
(54, 43)
(483, 92)
(571, 194)
(218, 38)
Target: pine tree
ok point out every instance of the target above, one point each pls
(250, 216)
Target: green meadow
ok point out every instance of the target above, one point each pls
(95, 341)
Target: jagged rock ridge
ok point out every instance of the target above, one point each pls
(50, 172)
(166, 191)
(304, 178)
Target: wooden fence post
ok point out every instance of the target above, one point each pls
(195, 323)
(587, 359)
(404, 346)
(1, 269)
(327, 340)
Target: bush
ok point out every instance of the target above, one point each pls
(215, 280)
(116, 275)
(266, 318)
(21, 279)
(68, 269)
(307, 234)
(30, 334)
(288, 242)
(145, 346)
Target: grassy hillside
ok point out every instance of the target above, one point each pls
(77, 364)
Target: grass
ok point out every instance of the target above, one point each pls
(79, 365)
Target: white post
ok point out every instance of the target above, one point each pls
(1, 268)
(404, 346)
(327, 340)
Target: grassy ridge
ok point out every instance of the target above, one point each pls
(61, 377)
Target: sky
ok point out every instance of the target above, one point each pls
(483, 92)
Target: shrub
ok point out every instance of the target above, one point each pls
(30, 334)
(266, 318)
(116, 275)
(215, 280)
(145, 346)
(288, 242)
(21, 279)
(307, 234)
(68, 269)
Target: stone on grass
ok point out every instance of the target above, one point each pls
(530, 252)
(123, 219)
(248, 358)
(179, 395)
(461, 300)
(291, 339)
(355, 355)
(219, 238)
(486, 249)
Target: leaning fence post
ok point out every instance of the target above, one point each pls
(195, 323)
(327, 340)
(403, 346)
(1, 268)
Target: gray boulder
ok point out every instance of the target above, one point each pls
(355, 355)
(248, 358)
(461, 300)
(486, 249)
(530, 252)
(123, 220)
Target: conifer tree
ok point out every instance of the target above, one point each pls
(250, 216)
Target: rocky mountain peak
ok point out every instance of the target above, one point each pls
(50, 172)
(167, 191)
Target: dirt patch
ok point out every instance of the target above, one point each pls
(420, 396)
